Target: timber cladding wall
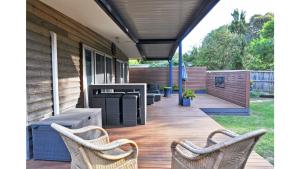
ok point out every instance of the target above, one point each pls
(41, 19)
(236, 88)
(196, 76)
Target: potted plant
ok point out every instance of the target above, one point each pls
(175, 89)
(167, 91)
(188, 96)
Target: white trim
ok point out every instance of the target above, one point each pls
(85, 91)
(106, 55)
(85, 97)
(120, 61)
(54, 73)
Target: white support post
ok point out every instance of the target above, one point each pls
(54, 73)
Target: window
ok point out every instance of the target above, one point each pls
(108, 70)
(121, 71)
(118, 72)
(100, 69)
(88, 62)
(97, 69)
(125, 72)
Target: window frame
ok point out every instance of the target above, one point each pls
(84, 73)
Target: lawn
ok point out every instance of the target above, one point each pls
(262, 116)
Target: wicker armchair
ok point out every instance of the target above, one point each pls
(97, 153)
(229, 154)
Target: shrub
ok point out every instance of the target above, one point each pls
(189, 94)
(175, 87)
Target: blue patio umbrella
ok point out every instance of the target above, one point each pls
(184, 73)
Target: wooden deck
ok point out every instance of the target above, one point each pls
(166, 122)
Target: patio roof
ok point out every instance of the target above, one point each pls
(157, 26)
(151, 29)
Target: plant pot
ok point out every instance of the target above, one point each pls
(167, 92)
(186, 102)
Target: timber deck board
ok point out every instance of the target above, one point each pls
(166, 121)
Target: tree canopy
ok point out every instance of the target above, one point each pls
(220, 50)
(261, 50)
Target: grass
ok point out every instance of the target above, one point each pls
(262, 116)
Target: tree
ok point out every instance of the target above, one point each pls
(239, 26)
(255, 25)
(261, 50)
(220, 50)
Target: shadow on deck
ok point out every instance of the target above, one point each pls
(166, 121)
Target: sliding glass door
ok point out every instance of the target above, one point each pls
(99, 69)
(118, 72)
(121, 72)
(108, 65)
(125, 72)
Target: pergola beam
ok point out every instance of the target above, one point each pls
(156, 41)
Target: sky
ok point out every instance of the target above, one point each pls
(221, 15)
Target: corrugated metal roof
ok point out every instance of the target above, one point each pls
(159, 23)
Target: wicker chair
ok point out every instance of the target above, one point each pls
(97, 153)
(229, 154)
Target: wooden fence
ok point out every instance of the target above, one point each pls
(196, 76)
(262, 81)
(235, 86)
